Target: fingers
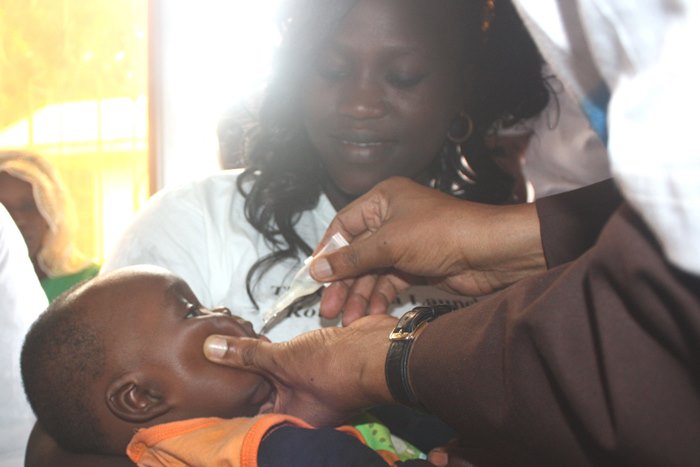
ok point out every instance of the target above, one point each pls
(385, 291)
(350, 222)
(356, 305)
(354, 298)
(364, 215)
(371, 294)
(334, 298)
(360, 257)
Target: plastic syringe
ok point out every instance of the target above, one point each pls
(302, 285)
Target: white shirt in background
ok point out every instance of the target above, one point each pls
(564, 152)
(640, 54)
(21, 301)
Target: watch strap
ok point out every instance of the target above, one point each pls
(396, 367)
(397, 373)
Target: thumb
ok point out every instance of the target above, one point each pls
(243, 353)
(361, 256)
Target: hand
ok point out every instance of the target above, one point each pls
(402, 234)
(324, 376)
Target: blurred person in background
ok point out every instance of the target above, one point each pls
(36, 198)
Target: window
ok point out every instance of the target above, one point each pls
(73, 89)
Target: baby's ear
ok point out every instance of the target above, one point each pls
(132, 400)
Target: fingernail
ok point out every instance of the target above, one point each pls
(321, 269)
(215, 347)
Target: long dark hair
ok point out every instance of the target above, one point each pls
(283, 176)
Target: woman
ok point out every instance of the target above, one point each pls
(35, 196)
(363, 90)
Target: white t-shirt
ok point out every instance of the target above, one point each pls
(21, 301)
(199, 232)
(564, 152)
(639, 53)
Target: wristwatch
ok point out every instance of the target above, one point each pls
(396, 368)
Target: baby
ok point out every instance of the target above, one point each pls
(122, 354)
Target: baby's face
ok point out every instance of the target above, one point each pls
(159, 326)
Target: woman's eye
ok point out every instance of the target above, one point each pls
(333, 74)
(404, 81)
(332, 68)
(192, 311)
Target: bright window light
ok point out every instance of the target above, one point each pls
(215, 52)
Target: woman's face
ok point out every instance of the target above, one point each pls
(18, 198)
(383, 92)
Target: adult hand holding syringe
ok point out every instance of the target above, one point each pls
(302, 285)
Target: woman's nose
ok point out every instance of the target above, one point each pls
(362, 98)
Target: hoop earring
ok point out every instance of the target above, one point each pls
(460, 131)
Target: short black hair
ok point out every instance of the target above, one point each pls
(62, 357)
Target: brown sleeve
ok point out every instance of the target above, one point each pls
(594, 362)
(570, 222)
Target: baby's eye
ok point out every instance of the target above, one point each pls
(192, 311)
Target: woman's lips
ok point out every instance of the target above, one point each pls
(361, 138)
(362, 149)
(362, 144)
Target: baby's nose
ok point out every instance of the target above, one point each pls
(220, 310)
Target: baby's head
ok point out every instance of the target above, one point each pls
(124, 351)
